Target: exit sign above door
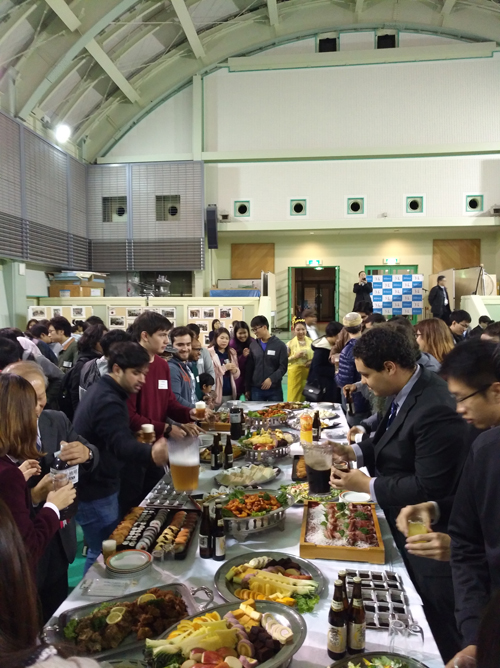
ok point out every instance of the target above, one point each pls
(314, 263)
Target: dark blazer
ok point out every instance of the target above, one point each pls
(420, 457)
(475, 538)
(55, 427)
(436, 301)
(362, 293)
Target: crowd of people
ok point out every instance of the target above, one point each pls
(423, 405)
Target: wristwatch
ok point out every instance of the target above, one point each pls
(168, 431)
(91, 455)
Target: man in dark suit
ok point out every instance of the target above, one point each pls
(53, 429)
(439, 300)
(416, 455)
(362, 289)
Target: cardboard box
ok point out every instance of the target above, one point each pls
(74, 291)
(371, 555)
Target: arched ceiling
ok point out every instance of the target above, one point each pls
(101, 65)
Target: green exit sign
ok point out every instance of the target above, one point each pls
(391, 260)
(314, 263)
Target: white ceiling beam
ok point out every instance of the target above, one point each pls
(359, 6)
(272, 10)
(62, 10)
(101, 57)
(448, 7)
(188, 26)
(16, 17)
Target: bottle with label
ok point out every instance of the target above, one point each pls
(356, 628)
(337, 623)
(342, 578)
(235, 423)
(219, 553)
(316, 427)
(216, 456)
(62, 473)
(228, 454)
(205, 540)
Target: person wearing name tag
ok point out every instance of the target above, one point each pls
(60, 332)
(267, 363)
(226, 366)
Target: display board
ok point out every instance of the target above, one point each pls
(69, 312)
(121, 317)
(203, 316)
(397, 294)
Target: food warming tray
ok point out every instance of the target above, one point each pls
(53, 632)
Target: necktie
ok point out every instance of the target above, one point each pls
(392, 414)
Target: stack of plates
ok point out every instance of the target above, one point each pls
(128, 562)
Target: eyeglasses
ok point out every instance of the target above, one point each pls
(254, 329)
(469, 396)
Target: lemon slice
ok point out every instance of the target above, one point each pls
(114, 618)
(145, 598)
(120, 609)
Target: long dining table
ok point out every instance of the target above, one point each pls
(196, 572)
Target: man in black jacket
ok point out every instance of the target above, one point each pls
(54, 428)
(362, 289)
(439, 300)
(102, 417)
(416, 455)
(267, 363)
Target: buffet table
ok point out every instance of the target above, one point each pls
(196, 572)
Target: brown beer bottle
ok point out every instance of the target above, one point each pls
(205, 540)
(316, 428)
(356, 629)
(342, 577)
(228, 454)
(216, 457)
(219, 551)
(337, 622)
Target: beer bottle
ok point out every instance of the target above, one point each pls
(205, 540)
(216, 456)
(228, 454)
(316, 428)
(356, 629)
(235, 423)
(62, 473)
(342, 577)
(350, 403)
(337, 622)
(219, 553)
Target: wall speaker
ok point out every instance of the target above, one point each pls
(241, 209)
(386, 41)
(327, 44)
(355, 206)
(298, 207)
(415, 204)
(474, 203)
(211, 218)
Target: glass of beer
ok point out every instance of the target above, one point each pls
(416, 526)
(200, 409)
(108, 548)
(184, 462)
(318, 458)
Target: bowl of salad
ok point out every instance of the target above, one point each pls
(378, 660)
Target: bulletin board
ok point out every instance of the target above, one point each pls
(69, 312)
(203, 316)
(121, 317)
(397, 294)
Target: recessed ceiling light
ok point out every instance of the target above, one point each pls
(63, 133)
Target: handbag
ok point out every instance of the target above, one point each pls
(313, 393)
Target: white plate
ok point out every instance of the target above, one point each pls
(355, 497)
(129, 560)
(237, 469)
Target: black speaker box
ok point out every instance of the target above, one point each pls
(327, 44)
(386, 42)
(211, 218)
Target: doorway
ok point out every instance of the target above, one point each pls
(316, 288)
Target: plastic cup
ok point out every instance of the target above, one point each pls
(184, 462)
(318, 458)
(108, 548)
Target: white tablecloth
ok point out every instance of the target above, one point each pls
(195, 572)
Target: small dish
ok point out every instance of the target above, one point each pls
(355, 497)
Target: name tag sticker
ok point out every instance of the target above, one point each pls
(163, 384)
(271, 352)
(197, 379)
(68, 364)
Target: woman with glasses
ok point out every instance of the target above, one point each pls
(300, 356)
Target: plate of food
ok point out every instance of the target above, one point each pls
(290, 406)
(254, 633)
(271, 576)
(246, 513)
(378, 660)
(300, 493)
(246, 476)
(266, 439)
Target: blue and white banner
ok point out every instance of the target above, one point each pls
(397, 295)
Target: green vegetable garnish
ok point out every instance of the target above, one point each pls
(341, 506)
(365, 530)
(70, 629)
(361, 516)
(306, 602)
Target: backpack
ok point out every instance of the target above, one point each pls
(64, 400)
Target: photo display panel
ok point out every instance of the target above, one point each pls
(397, 294)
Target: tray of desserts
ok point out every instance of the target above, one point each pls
(384, 597)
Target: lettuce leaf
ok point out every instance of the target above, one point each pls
(306, 602)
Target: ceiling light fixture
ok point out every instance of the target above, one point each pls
(63, 133)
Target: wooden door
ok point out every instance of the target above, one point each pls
(455, 254)
(248, 260)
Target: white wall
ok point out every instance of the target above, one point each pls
(364, 106)
(37, 283)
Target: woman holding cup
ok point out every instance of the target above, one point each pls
(226, 367)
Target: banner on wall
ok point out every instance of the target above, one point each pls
(398, 294)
